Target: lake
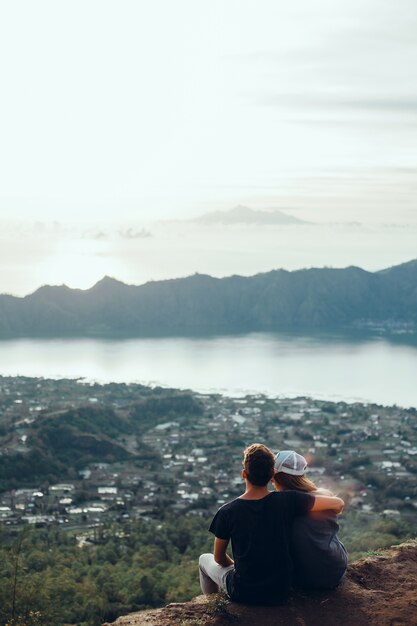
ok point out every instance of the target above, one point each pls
(324, 366)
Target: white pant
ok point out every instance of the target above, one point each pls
(212, 575)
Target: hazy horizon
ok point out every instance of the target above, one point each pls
(87, 285)
(80, 255)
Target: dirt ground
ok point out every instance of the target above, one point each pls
(377, 591)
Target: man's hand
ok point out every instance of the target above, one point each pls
(220, 555)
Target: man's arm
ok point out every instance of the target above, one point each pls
(220, 555)
(327, 503)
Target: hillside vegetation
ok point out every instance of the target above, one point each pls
(52, 581)
(369, 595)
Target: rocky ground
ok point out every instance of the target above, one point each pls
(380, 590)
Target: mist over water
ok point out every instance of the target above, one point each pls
(329, 367)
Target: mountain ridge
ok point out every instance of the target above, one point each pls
(244, 215)
(315, 298)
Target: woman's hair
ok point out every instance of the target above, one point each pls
(299, 483)
(258, 463)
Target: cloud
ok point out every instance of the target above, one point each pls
(130, 233)
(99, 236)
(360, 65)
(320, 101)
(392, 105)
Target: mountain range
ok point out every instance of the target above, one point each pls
(244, 215)
(323, 298)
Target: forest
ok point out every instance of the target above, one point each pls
(49, 578)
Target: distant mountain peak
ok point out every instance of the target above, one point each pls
(241, 209)
(241, 214)
(50, 289)
(108, 282)
(402, 266)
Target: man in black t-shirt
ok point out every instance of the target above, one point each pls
(258, 524)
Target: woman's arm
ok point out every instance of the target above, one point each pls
(327, 503)
(220, 555)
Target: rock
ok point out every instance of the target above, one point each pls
(376, 591)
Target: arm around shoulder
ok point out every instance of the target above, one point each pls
(327, 503)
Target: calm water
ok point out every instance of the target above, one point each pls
(373, 370)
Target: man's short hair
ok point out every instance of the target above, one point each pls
(258, 463)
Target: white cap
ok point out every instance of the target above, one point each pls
(290, 462)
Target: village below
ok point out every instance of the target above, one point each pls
(121, 451)
(107, 491)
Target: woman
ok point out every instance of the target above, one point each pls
(319, 558)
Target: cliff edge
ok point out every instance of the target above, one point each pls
(379, 590)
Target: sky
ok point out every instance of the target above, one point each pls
(121, 116)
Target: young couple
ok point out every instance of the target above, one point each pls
(279, 538)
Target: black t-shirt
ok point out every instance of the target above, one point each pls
(260, 533)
